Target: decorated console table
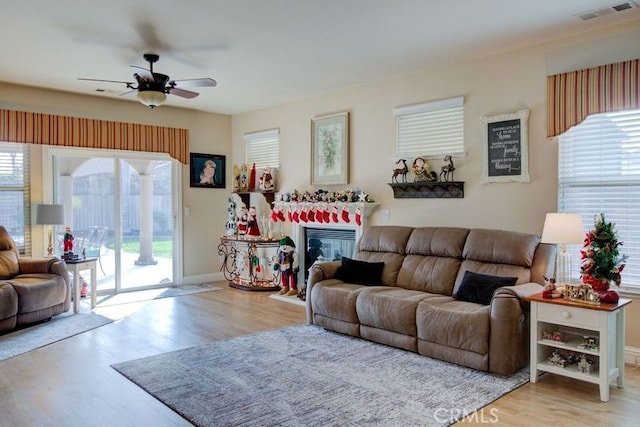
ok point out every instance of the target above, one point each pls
(247, 263)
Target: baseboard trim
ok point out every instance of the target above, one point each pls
(632, 356)
(202, 278)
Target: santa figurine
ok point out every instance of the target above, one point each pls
(287, 262)
(252, 223)
(68, 241)
(243, 221)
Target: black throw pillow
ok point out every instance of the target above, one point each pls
(360, 272)
(479, 288)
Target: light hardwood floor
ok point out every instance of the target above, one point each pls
(71, 383)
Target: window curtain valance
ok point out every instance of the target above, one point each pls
(572, 96)
(50, 129)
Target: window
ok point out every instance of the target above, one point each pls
(15, 196)
(432, 129)
(263, 148)
(599, 171)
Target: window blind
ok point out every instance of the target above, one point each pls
(430, 129)
(15, 193)
(599, 171)
(263, 148)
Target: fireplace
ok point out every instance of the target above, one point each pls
(325, 244)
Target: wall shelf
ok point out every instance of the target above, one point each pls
(245, 196)
(432, 190)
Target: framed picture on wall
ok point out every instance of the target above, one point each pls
(330, 149)
(505, 148)
(207, 170)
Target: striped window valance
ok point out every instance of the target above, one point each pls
(50, 129)
(572, 96)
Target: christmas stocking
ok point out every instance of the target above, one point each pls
(334, 214)
(345, 215)
(320, 214)
(274, 215)
(303, 215)
(311, 216)
(281, 215)
(326, 214)
(290, 214)
(296, 216)
(359, 216)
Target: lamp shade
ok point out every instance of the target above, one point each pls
(152, 98)
(50, 214)
(565, 228)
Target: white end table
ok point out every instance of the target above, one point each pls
(76, 267)
(574, 320)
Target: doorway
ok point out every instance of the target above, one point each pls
(121, 210)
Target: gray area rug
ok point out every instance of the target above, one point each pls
(151, 294)
(306, 376)
(58, 328)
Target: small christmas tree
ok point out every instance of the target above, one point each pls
(601, 259)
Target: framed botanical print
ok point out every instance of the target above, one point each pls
(330, 149)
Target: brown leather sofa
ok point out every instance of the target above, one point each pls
(31, 289)
(420, 301)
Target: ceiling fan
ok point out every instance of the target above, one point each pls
(152, 88)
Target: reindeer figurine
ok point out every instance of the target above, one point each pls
(447, 170)
(400, 171)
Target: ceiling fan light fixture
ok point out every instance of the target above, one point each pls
(152, 98)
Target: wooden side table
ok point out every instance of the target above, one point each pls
(76, 267)
(572, 321)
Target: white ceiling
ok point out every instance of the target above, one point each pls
(268, 52)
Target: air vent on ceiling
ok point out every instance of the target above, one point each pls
(607, 10)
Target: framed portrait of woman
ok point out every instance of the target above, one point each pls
(207, 170)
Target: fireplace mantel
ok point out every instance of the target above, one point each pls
(364, 209)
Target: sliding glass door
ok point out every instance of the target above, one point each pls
(120, 208)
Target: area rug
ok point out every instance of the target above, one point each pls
(151, 294)
(58, 328)
(306, 376)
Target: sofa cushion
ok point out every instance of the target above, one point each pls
(39, 291)
(456, 324)
(335, 299)
(389, 308)
(433, 258)
(392, 263)
(500, 246)
(479, 288)
(360, 272)
(391, 239)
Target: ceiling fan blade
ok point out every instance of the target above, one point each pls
(143, 72)
(106, 81)
(183, 93)
(129, 92)
(194, 82)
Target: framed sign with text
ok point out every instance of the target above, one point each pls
(505, 148)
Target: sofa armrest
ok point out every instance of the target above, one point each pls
(509, 341)
(318, 272)
(29, 265)
(521, 292)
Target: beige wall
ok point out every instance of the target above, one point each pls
(500, 84)
(208, 133)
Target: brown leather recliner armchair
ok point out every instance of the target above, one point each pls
(31, 289)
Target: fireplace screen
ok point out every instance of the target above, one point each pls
(327, 245)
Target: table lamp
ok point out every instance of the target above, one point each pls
(563, 229)
(50, 215)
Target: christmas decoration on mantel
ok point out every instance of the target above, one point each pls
(321, 206)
